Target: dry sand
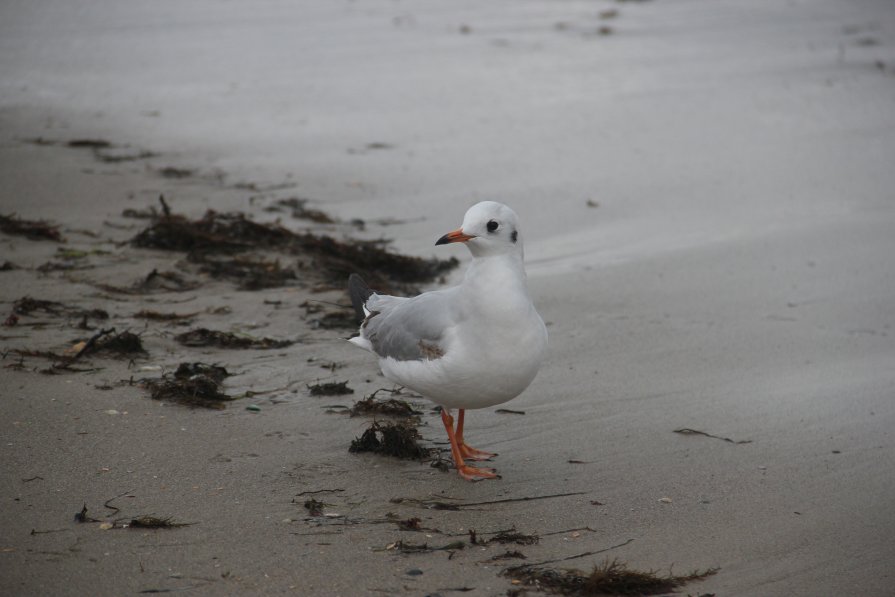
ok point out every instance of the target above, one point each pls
(735, 277)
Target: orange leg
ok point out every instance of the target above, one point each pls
(466, 450)
(467, 472)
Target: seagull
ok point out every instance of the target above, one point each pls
(471, 346)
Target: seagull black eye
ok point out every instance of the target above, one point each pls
(492, 226)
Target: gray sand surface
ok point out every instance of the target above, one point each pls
(733, 273)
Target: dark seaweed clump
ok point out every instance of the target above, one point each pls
(200, 337)
(154, 281)
(249, 274)
(391, 439)
(193, 384)
(331, 260)
(512, 536)
(154, 522)
(31, 229)
(391, 407)
(213, 232)
(611, 577)
(331, 388)
(125, 344)
(28, 305)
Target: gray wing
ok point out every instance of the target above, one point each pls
(409, 329)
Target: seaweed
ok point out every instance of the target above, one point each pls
(300, 212)
(610, 577)
(193, 384)
(125, 344)
(28, 305)
(157, 316)
(154, 281)
(200, 337)
(314, 507)
(89, 143)
(688, 431)
(508, 555)
(410, 524)
(330, 389)
(147, 521)
(8, 266)
(391, 439)
(251, 274)
(172, 172)
(332, 260)
(216, 232)
(214, 372)
(390, 407)
(512, 536)
(30, 229)
(408, 547)
(336, 320)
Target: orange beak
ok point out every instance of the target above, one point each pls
(455, 236)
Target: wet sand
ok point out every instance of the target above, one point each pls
(732, 275)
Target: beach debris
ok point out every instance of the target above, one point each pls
(89, 143)
(144, 521)
(610, 577)
(331, 260)
(28, 305)
(188, 370)
(665, 500)
(8, 266)
(688, 431)
(30, 229)
(398, 440)
(343, 318)
(192, 384)
(82, 516)
(253, 408)
(507, 411)
(410, 524)
(299, 211)
(512, 536)
(154, 281)
(157, 316)
(250, 274)
(154, 522)
(213, 232)
(391, 407)
(172, 172)
(402, 546)
(330, 389)
(431, 504)
(508, 555)
(200, 337)
(124, 344)
(314, 507)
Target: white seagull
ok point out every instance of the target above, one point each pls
(471, 346)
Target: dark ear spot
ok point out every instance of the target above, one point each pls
(514, 236)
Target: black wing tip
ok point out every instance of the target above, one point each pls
(359, 293)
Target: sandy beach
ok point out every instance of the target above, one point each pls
(706, 191)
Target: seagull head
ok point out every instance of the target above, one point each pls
(489, 228)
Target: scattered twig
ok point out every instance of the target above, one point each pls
(108, 505)
(576, 556)
(507, 411)
(688, 431)
(438, 505)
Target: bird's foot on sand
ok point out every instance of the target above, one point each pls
(470, 473)
(470, 453)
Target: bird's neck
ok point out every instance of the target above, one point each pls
(499, 280)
